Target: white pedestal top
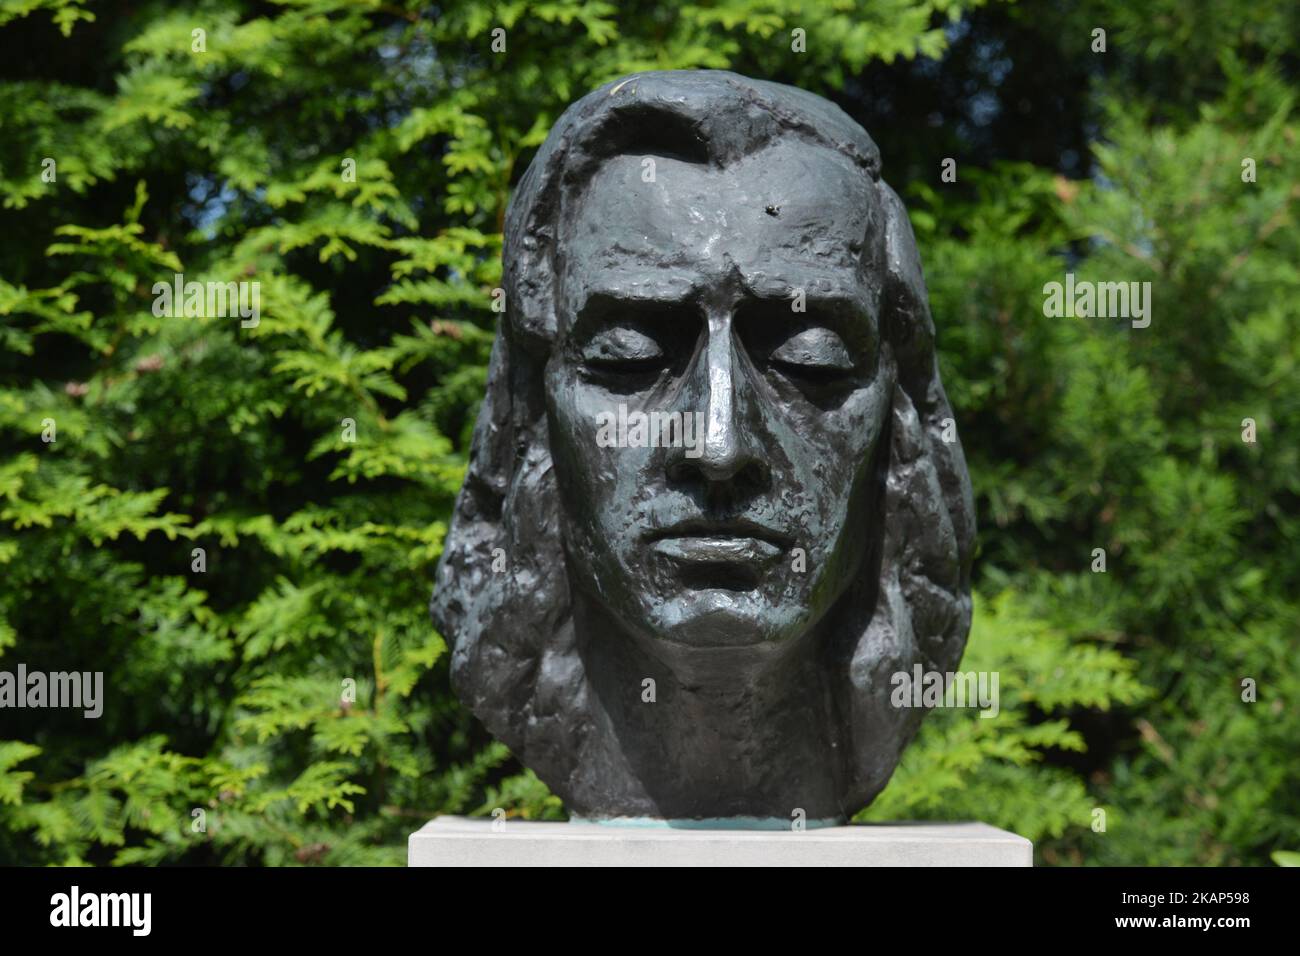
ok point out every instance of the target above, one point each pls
(463, 841)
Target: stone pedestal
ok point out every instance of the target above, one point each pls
(461, 841)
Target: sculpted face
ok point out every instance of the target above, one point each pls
(738, 295)
(708, 628)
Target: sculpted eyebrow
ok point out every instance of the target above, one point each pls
(600, 308)
(841, 312)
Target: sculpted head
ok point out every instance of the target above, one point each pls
(700, 620)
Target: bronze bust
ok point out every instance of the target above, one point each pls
(704, 628)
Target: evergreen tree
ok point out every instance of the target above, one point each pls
(236, 519)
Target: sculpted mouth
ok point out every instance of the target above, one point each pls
(739, 541)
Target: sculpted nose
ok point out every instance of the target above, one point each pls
(725, 448)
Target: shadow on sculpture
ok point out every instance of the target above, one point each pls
(710, 509)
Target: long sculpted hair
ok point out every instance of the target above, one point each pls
(515, 660)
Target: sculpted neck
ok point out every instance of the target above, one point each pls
(684, 731)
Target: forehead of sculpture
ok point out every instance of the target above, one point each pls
(793, 215)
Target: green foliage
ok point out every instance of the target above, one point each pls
(1088, 433)
(989, 766)
(288, 703)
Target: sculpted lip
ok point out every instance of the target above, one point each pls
(719, 541)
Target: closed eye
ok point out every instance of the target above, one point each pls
(814, 355)
(625, 366)
(810, 374)
(623, 355)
